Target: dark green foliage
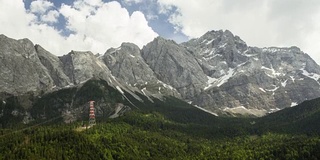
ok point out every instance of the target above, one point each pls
(304, 118)
(150, 136)
(13, 107)
(96, 90)
(50, 105)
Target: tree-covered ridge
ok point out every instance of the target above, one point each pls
(150, 135)
(303, 118)
(166, 128)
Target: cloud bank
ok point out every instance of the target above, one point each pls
(260, 23)
(91, 25)
(96, 25)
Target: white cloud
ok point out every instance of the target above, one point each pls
(260, 23)
(51, 16)
(14, 20)
(95, 26)
(40, 6)
(109, 23)
(152, 17)
(130, 2)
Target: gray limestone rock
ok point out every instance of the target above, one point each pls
(218, 51)
(82, 66)
(21, 70)
(251, 78)
(175, 65)
(54, 66)
(127, 65)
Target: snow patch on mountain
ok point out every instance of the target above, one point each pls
(262, 89)
(274, 110)
(219, 81)
(293, 104)
(143, 91)
(272, 90)
(284, 84)
(273, 49)
(119, 89)
(310, 75)
(166, 85)
(210, 82)
(292, 78)
(244, 111)
(223, 45)
(226, 77)
(271, 72)
(215, 114)
(211, 55)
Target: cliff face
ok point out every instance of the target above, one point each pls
(175, 65)
(82, 66)
(127, 64)
(54, 66)
(21, 68)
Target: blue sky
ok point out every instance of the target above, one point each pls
(158, 22)
(96, 25)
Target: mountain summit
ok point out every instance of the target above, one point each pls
(251, 80)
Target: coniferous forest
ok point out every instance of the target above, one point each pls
(140, 135)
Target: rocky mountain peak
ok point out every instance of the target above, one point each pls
(218, 50)
(127, 49)
(160, 39)
(130, 46)
(218, 39)
(21, 69)
(127, 64)
(54, 67)
(81, 66)
(173, 64)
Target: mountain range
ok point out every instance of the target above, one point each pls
(217, 73)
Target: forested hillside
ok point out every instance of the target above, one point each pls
(150, 135)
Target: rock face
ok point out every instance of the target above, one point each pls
(82, 66)
(175, 65)
(21, 69)
(54, 67)
(127, 64)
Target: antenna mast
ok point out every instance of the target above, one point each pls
(92, 116)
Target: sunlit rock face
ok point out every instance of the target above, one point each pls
(21, 69)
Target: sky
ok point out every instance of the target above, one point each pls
(96, 25)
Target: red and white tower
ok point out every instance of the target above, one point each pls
(92, 116)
